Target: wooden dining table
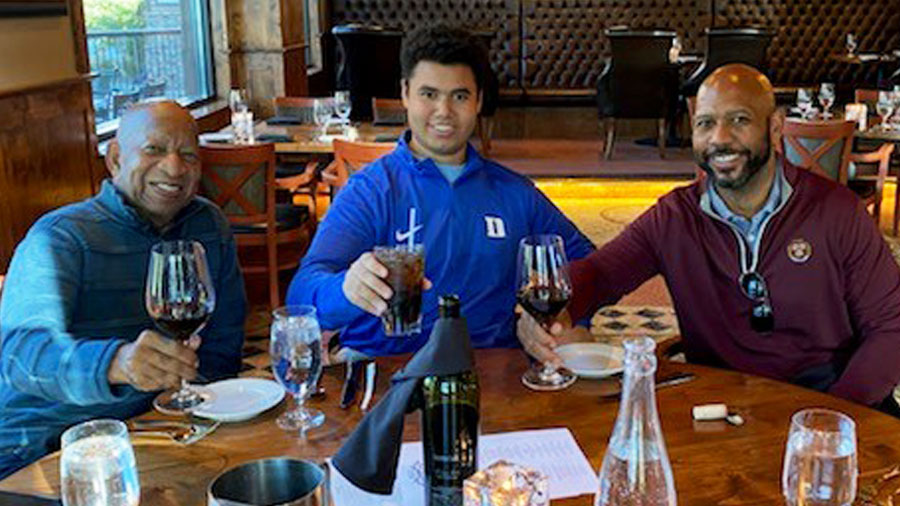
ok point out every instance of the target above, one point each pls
(307, 139)
(714, 463)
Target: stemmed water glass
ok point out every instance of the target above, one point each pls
(851, 44)
(804, 102)
(820, 459)
(239, 100)
(826, 98)
(296, 352)
(343, 107)
(884, 107)
(97, 467)
(322, 111)
(180, 298)
(543, 290)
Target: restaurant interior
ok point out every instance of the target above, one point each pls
(589, 99)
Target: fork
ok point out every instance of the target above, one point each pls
(182, 433)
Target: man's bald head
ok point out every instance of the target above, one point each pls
(137, 118)
(154, 159)
(736, 126)
(739, 80)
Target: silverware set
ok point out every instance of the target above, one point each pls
(183, 433)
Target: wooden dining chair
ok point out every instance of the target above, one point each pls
(870, 98)
(241, 181)
(826, 147)
(388, 111)
(350, 157)
(870, 185)
(821, 146)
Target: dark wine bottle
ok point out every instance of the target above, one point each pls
(449, 421)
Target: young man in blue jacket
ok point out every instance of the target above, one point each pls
(469, 212)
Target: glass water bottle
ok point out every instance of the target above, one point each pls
(636, 469)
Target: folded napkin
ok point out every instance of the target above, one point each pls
(368, 458)
(274, 138)
(285, 120)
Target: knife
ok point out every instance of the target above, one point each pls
(670, 380)
(371, 371)
(351, 382)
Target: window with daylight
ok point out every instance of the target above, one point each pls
(146, 49)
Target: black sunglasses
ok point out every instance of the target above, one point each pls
(754, 287)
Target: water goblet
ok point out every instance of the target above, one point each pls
(322, 111)
(820, 459)
(885, 107)
(343, 108)
(295, 348)
(97, 467)
(826, 98)
(804, 102)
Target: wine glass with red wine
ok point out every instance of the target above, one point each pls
(543, 290)
(180, 298)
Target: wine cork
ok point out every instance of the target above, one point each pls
(710, 412)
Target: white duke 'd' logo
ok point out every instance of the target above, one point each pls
(409, 235)
(494, 227)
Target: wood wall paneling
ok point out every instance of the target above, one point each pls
(46, 152)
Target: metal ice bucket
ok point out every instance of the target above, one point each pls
(271, 482)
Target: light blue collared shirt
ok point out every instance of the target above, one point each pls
(749, 229)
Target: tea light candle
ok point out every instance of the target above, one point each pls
(506, 484)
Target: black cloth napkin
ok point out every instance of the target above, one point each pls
(369, 456)
(285, 120)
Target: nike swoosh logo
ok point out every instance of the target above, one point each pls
(403, 236)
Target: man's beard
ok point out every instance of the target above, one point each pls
(755, 162)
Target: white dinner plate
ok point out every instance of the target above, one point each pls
(239, 399)
(592, 360)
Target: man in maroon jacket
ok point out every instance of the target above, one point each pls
(773, 270)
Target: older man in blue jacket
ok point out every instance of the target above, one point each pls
(468, 212)
(77, 342)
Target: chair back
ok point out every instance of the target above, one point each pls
(635, 83)
(241, 181)
(299, 108)
(870, 98)
(367, 65)
(820, 146)
(351, 157)
(729, 45)
(388, 111)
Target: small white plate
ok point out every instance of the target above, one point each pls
(592, 360)
(239, 399)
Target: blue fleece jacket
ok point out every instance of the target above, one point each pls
(470, 230)
(74, 294)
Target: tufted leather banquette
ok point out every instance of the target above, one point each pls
(559, 44)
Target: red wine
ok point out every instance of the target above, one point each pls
(543, 303)
(180, 329)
